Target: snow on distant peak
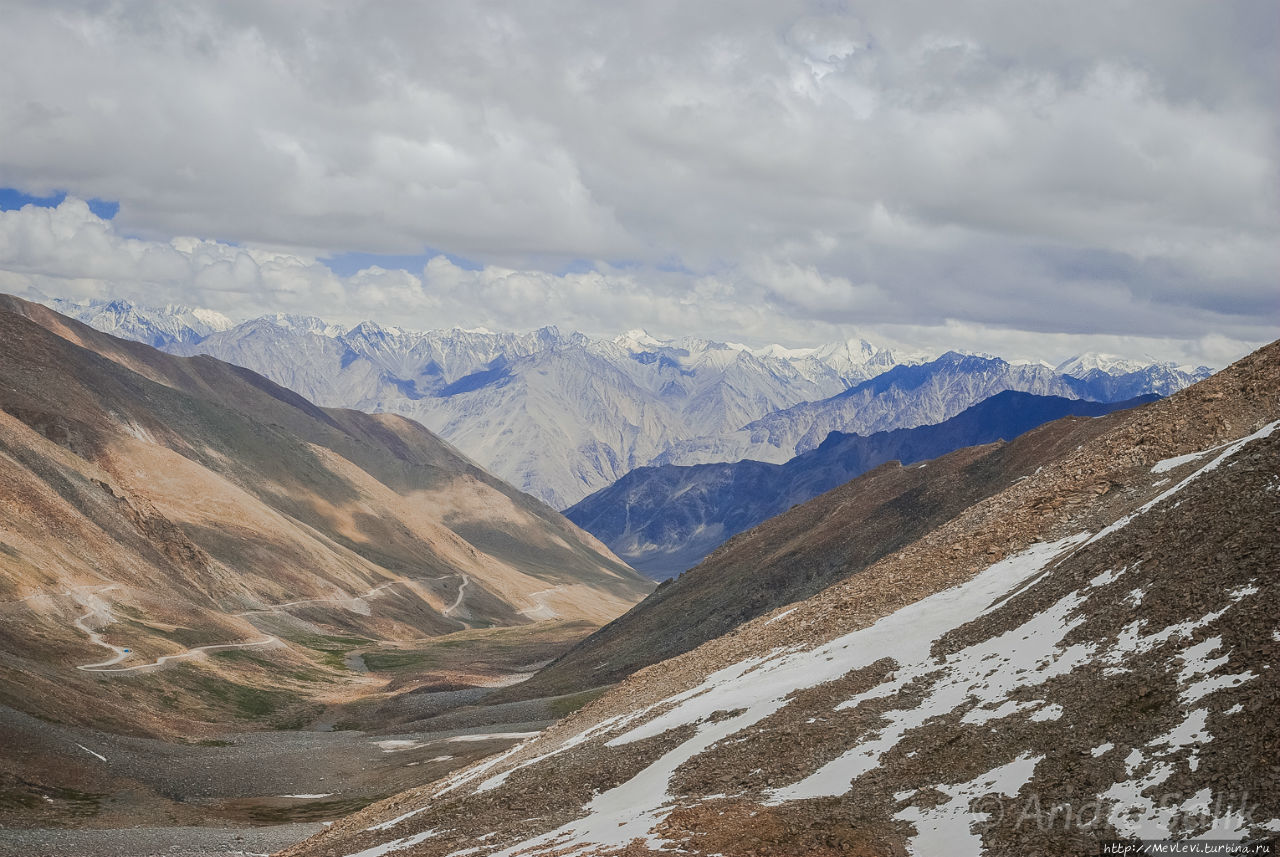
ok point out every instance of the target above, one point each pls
(303, 324)
(855, 350)
(913, 357)
(158, 326)
(1109, 364)
(779, 351)
(373, 329)
(215, 321)
(1041, 364)
(640, 338)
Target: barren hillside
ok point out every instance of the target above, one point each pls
(183, 542)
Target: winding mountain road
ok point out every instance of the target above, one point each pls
(96, 639)
(457, 602)
(541, 609)
(120, 653)
(278, 607)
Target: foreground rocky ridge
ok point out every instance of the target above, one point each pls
(1087, 654)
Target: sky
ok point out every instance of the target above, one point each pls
(1026, 178)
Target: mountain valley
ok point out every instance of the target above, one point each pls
(189, 552)
(803, 429)
(1081, 651)
(232, 616)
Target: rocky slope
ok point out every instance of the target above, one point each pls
(663, 520)
(1085, 655)
(183, 541)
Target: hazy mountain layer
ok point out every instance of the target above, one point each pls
(916, 395)
(663, 520)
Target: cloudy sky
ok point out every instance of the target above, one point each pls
(1029, 178)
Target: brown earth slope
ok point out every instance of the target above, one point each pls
(1085, 655)
(239, 541)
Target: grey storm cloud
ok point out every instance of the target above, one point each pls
(747, 169)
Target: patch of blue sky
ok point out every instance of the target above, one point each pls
(12, 199)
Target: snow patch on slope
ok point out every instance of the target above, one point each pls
(947, 828)
(757, 687)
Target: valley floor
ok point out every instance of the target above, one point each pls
(245, 793)
(72, 790)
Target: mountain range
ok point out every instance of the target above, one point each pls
(927, 393)
(155, 509)
(563, 415)
(1023, 648)
(665, 519)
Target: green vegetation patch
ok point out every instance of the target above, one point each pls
(316, 810)
(242, 656)
(244, 701)
(18, 799)
(332, 649)
(503, 648)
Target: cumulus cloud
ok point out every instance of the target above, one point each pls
(772, 169)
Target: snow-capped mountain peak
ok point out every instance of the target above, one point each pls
(373, 330)
(303, 324)
(780, 351)
(213, 320)
(1039, 364)
(157, 326)
(639, 339)
(1110, 364)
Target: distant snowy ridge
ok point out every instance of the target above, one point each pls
(561, 415)
(1082, 364)
(160, 327)
(907, 396)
